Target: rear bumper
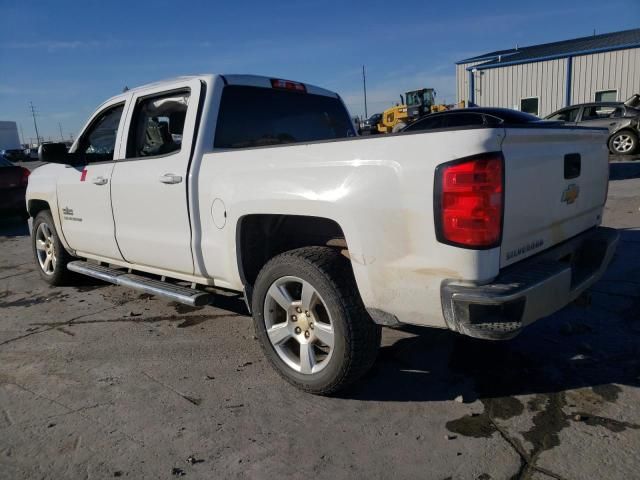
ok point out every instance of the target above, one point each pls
(530, 289)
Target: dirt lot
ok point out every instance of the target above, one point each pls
(99, 382)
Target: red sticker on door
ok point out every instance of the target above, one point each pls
(83, 175)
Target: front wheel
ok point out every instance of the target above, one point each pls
(310, 320)
(398, 127)
(624, 142)
(50, 255)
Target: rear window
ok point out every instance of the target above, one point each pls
(255, 117)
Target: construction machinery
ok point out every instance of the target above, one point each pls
(418, 104)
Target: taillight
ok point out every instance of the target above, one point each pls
(469, 201)
(25, 177)
(288, 85)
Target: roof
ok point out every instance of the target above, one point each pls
(566, 48)
(230, 79)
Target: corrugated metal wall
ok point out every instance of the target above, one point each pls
(506, 86)
(462, 80)
(619, 70)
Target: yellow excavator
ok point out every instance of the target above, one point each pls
(418, 104)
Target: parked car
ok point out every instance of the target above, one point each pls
(13, 188)
(622, 120)
(473, 117)
(370, 125)
(16, 155)
(327, 235)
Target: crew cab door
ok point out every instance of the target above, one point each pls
(84, 195)
(149, 186)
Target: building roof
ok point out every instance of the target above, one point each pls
(566, 48)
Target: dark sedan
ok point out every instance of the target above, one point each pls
(473, 117)
(13, 187)
(370, 125)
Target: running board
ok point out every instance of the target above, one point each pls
(177, 293)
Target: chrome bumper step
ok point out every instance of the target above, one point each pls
(177, 293)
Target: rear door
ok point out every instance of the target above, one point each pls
(84, 195)
(149, 186)
(555, 187)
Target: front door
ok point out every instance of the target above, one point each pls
(149, 186)
(84, 197)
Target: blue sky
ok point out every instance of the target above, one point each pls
(67, 57)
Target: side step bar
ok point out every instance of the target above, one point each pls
(177, 293)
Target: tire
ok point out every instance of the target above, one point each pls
(337, 316)
(46, 244)
(624, 142)
(398, 127)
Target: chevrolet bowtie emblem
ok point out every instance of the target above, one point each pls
(570, 194)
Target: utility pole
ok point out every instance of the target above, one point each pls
(35, 124)
(364, 86)
(61, 135)
(21, 135)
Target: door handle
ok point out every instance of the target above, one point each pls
(99, 181)
(170, 178)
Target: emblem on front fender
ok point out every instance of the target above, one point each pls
(570, 194)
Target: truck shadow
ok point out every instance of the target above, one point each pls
(624, 171)
(595, 346)
(13, 226)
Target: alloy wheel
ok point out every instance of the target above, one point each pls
(299, 325)
(45, 249)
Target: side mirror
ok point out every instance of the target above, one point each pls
(57, 153)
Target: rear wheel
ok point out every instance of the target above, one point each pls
(50, 255)
(311, 322)
(624, 142)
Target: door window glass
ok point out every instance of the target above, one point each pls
(597, 112)
(463, 120)
(569, 115)
(98, 144)
(426, 124)
(529, 105)
(157, 125)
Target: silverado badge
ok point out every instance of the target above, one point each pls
(570, 194)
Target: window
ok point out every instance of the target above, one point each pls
(98, 143)
(463, 120)
(157, 125)
(596, 112)
(529, 105)
(568, 115)
(426, 124)
(607, 96)
(254, 116)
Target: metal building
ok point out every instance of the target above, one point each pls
(543, 78)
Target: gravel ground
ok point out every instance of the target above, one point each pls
(97, 381)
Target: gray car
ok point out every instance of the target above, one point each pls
(621, 118)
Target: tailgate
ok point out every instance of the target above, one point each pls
(555, 187)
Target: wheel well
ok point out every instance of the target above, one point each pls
(259, 238)
(36, 206)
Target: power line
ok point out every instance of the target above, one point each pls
(35, 124)
(364, 86)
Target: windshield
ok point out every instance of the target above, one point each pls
(420, 97)
(413, 98)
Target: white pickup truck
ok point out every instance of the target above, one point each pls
(260, 186)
